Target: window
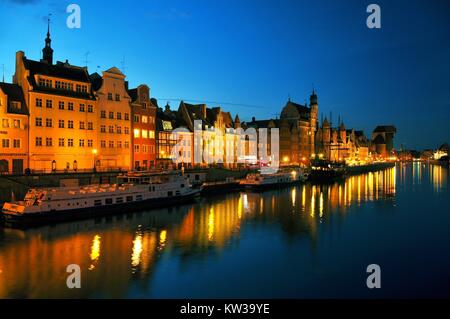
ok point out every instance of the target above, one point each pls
(136, 148)
(129, 198)
(119, 199)
(117, 97)
(111, 144)
(119, 129)
(48, 122)
(144, 134)
(90, 143)
(103, 144)
(110, 96)
(90, 126)
(17, 123)
(127, 117)
(108, 201)
(81, 125)
(103, 128)
(61, 142)
(151, 119)
(38, 121)
(151, 134)
(61, 105)
(111, 129)
(98, 202)
(16, 143)
(111, 115)
(127, 130)
(144, 119)
(137, 133)
(144, 148)
(38, 102)
(5, 123)
(5, 143)
(127, 144)
(49, 104)
(70, 124)
(103, 114)
(81, 143)
(38, 141)
(136, 119)
(81, 107)
(90, 109)
(119, 144)
(70, 142)
(70, 106)
(119, 115)
(48, 141)
(61, 123)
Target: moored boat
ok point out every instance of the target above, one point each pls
(132, 191)
(325, 171)
(259, 181)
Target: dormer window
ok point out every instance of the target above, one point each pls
(15, 105)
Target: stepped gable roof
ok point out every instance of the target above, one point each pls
(14, 93)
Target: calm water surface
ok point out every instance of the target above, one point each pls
(308, 241)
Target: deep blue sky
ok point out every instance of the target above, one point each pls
(256, 53)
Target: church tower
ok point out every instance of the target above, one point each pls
(314, 113)
(47, 51)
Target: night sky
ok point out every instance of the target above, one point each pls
(249, 55)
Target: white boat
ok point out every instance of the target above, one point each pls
(281, 178)
(133, 190)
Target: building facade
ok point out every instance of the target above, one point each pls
(144, 119)
(13, 130)
(114, 121)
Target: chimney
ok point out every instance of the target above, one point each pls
(203, 110)
(126, 85)
(17, 78)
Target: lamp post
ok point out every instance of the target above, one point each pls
(94, 152)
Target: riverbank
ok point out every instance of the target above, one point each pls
(373, 167)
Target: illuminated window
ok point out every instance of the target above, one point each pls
(144, 119)
(167, 126)
(136, 133)
(151, 134)
(144, 134)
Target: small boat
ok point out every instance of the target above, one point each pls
(132, 191)
(228, 185)
(325, 171)
(259, 181)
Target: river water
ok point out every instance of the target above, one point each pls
(308, 241)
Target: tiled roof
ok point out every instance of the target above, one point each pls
(14, 93)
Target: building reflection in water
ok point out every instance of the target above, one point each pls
(125, 249)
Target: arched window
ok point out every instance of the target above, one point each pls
(75, 165)
(53, 165)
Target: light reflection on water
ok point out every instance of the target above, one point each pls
(122, 253)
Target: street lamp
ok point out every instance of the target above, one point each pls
(94, 152)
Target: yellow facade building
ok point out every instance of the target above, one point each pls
(62, 110)
(13, 129)
(114, 121)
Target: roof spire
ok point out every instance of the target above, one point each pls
(47, 51)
